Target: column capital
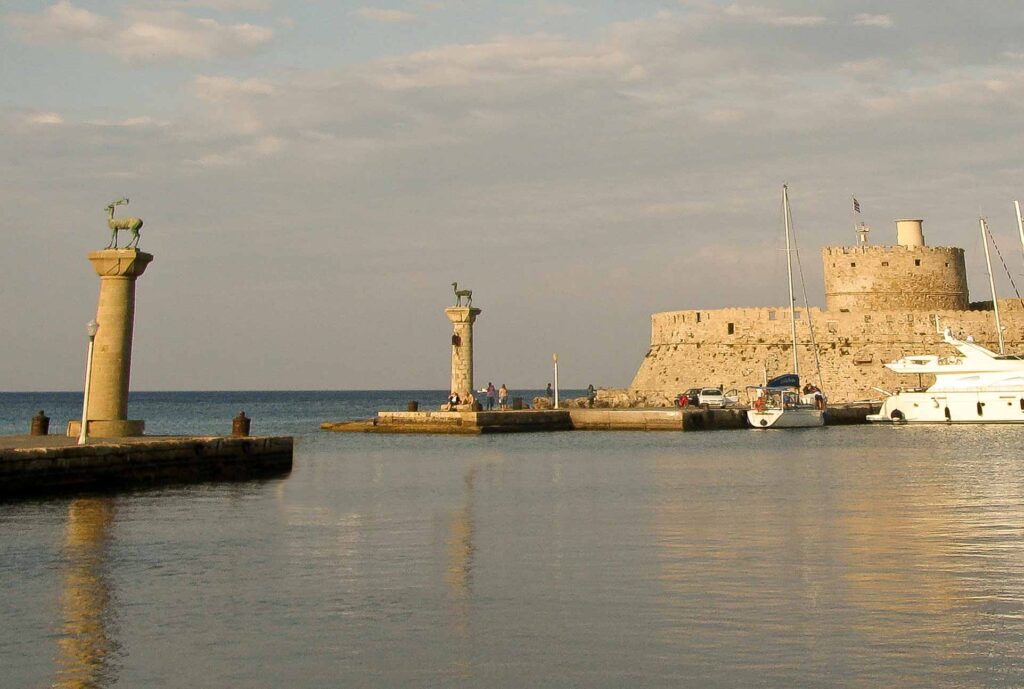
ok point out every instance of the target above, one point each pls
(120, 262)
(462, 314)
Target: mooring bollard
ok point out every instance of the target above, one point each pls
(413, 405)
(517, 402)
(240, 425)
(40, 424)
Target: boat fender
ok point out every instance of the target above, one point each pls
(896, 415)
(764, 422)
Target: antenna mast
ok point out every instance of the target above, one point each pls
(789, 270)
(992, 282)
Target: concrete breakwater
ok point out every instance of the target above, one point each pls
(31, 465)
(574, 419)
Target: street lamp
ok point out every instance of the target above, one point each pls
(90, 328)
(554, 357)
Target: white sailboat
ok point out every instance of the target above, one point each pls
(779, 403)
(978, 386)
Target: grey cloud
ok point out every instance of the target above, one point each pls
(140, 35)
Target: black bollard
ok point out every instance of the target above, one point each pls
(517, 402)
(240, 425)
(40, 424)
(413, 405)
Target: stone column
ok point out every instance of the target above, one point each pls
(112, 352)
(462, 317)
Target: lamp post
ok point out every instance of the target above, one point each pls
(554, 357)
(90, 328)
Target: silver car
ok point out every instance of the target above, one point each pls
(711, 397)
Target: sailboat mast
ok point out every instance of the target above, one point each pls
(992, 283)
(1020, 223)
(789, 270)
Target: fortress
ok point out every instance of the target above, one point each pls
(881, 303)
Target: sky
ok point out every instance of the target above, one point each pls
(313, 175)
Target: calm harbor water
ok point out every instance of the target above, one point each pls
(852, 557)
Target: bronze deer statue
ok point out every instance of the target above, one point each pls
(130, 224)
(460, 293)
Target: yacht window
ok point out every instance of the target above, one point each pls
(1022, 403)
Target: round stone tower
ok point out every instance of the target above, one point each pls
(908, 276)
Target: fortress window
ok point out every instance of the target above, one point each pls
(867, 319)
(796, 315)
(771, 315)
(732, 328)
(917, 261)
(852, 264)
(947, 265)
(885, 264)
(698, 316)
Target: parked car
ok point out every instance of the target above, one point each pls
(711, 397)
(688, 398)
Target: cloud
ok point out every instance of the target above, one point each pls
(215, 88)
(50, 118)
(558, 9)
(141, 36)
(384, 16)
(772, 17)
(883, 21)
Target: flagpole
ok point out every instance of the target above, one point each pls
(853, 214)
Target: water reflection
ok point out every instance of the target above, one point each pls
(86, 652)
(460, 555)
(459, 576)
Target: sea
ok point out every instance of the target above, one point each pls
(856, 556)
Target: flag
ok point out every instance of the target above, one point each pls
(856, 205)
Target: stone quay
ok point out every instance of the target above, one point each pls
(33, 465)
(574, 419)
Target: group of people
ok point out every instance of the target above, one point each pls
(489, 393)
(502, 393)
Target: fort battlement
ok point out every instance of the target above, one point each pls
(736, 347)
(882, 302)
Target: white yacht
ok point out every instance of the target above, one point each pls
(978, 386)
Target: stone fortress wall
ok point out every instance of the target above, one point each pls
(882, 302)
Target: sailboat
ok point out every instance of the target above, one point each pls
(779, 402)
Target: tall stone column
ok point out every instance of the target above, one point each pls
(462, 317)
(112, 351)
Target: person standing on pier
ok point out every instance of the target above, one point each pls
(550, 392)
(490, 396)
(503, 398)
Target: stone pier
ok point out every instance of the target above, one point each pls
(112, 351)
(462, 318)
